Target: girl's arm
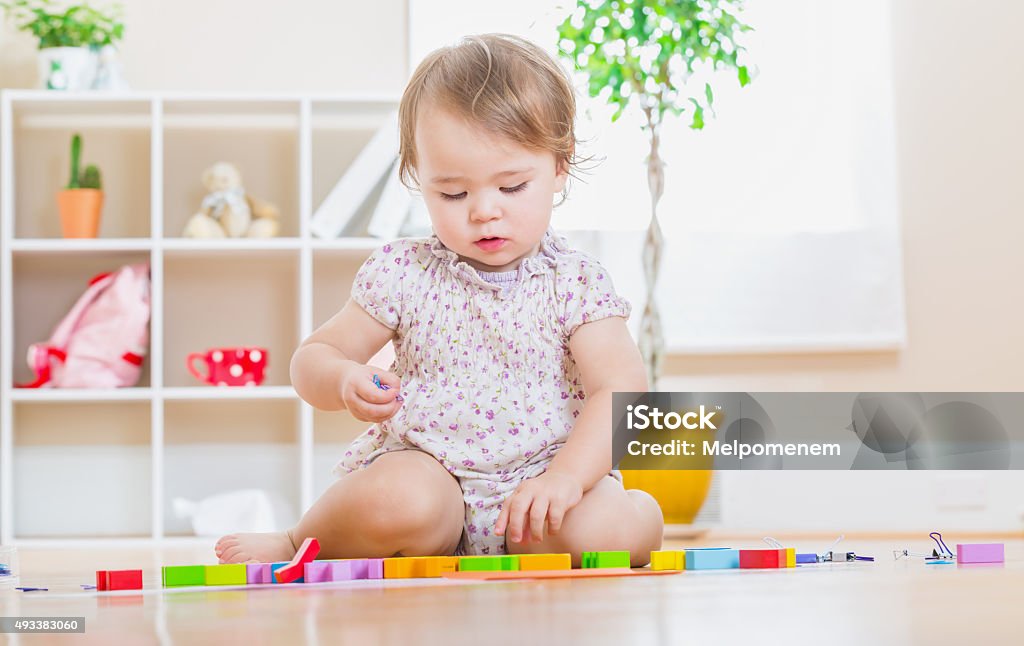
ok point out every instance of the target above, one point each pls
(328, 370)
(609, 361)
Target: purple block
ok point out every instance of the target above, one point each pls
(374, 568)
(317, 572)
(257, 573)
(979, 553)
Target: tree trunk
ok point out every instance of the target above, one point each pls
(651, 341)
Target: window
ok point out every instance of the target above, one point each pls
(780, 217)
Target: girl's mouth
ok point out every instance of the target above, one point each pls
(490, 244)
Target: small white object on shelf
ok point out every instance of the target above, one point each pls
(392, 208)
(355, 186)
(246, 510)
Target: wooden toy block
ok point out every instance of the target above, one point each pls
(319, 571)
(229, 574)
(256, 573)
(489, 563)
(604, 559)
(668, 560)
(124, 580)
(980, 553)
(790, 557)
(806, 558)
(274, 567)
(293, 570)
(718, 558)
(767, 558)
(545, 561)
(399, 567)
(176, 576)
(479, 563)
(434, 566)
(363, 569)
(101, 580)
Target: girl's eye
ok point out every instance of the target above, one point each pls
(513, 189)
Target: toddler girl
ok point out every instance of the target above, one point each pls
(492, 431)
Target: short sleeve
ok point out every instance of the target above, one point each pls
(379, 285)
(589, 293)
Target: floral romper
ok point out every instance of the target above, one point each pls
(491, 390)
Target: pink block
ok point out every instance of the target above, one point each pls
(374, 568)
(318, 572)
(257, 573)
(980, 553)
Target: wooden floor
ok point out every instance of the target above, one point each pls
(886, 602)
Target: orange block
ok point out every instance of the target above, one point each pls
(545, 561)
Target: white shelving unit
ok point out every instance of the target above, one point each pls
(79, 466)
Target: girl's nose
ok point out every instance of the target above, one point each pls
(484, 211)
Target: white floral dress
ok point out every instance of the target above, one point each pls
(491, 390)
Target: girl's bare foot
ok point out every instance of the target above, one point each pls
(255, 548)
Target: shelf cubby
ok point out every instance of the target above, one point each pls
(71, 456)
(213, 447)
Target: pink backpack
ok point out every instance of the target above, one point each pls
(100, 343)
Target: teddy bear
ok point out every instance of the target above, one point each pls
(227, 211)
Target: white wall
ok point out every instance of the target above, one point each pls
(960, 154)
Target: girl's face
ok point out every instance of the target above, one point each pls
(489, 198)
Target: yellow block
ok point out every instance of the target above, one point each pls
(399, 567)
(433, 566)
(669, 560)
(231, 574)
(545, 561)
(790, 557)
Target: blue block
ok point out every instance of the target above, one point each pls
(717, 558)
(806, 558)
(277, 566)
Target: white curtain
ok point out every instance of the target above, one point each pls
(781, 216)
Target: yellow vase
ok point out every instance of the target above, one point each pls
(679, 492)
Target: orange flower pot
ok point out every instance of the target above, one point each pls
(80, 210)
(680, 493)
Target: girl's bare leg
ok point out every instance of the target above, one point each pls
(404, 503)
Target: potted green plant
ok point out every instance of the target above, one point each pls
(69, 39)
(647, 52)
(81, 202)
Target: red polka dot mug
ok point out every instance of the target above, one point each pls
(230, 366)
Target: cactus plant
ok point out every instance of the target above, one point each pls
(76, 153)
(91, 177)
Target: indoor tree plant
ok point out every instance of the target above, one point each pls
(81, 202)
(69, 39)
(661, 55)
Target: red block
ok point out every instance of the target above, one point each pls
(122, 580)
(101, 579)
(762, 559)
(295, 569)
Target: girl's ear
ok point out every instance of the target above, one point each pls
(561, 176)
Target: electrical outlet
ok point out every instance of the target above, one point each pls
(960, 492)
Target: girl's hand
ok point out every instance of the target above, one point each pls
(545, 498)
(364, 399)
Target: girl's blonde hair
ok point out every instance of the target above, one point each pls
(502, 83)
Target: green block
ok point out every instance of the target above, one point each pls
(175, 576)
(604, 559)
(612, 559)
(489, 563)
(480, 563)
(232, 574)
